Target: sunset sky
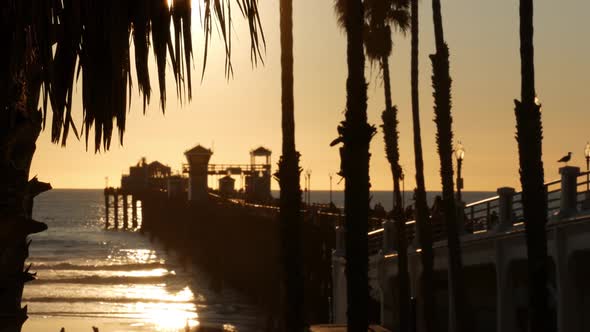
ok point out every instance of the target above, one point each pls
(240, 114)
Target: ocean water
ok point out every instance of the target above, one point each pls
(120, 281)
(116, 280)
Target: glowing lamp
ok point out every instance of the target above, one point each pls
(460, 151)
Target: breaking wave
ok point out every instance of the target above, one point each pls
(114, 267)
(106, 280)
(89, 299)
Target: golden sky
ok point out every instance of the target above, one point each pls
(237, 115)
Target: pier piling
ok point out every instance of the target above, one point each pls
(133, 211)
(106, 208)
(116, 208)
(125, 210)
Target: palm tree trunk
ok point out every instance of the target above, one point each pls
(529, 135)
(441, 82)
(20, 125)
(391, 137)
(356, 135)
(426, 300)
(288, 175)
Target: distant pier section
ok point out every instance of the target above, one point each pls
(255, 177)
(223, 218)
(142, 178)
(192, 183)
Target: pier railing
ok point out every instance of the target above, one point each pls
(565, 197)
(484, 215)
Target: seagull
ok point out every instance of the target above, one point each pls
(565, 159)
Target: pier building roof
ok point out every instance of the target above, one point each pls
(261, 152)
(198, 150)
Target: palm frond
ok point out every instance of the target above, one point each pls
(378, 42)
(89, 41)
(340, 10)
(220, 11)
(380, 17)
(141, 34)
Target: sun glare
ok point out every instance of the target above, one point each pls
(171, 320)
(139, 255)
(174, 313)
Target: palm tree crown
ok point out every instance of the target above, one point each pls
(380, 15)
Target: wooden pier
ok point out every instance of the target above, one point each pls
(231, 234)
(237, 244)
(115, 198)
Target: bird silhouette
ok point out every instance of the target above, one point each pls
(565, 159)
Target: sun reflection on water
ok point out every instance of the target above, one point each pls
(229, 328)
(139, 255)
(167, 316)
(159, 305)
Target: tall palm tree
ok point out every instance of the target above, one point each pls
(441, 82)
(288, 176)
(426, 299)
(390, 133)
(356, 135)
(529, 135)
(380, 15)
(47, 45)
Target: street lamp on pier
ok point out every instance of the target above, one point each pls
(308, 177)
(459, 154)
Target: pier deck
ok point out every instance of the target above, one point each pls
(494, 251)
(342, 328)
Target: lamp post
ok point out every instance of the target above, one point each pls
(459, 154)
(331, 202)
(308, 176)
(587, 154)
(305, 189)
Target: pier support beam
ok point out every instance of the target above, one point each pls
(505, 217)
(133, 211)
(505, 309)
(567, 308)
(125, 211)
(106, 208)
(116, 208)
(569, 191)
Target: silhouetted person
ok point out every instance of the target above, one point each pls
(436, 206)
(379, 211)
(333, 207)
(493, 219)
